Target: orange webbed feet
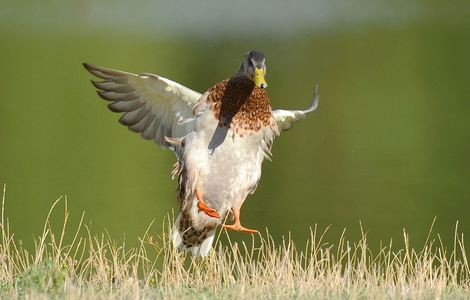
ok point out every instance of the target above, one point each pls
(204, 208)
(237, 226)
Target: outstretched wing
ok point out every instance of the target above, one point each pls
(286, 118)
(152, 105)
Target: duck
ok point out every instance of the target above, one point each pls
(220, 138)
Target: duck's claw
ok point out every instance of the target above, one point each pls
(204, 208)
(238, 227)
(207, 210)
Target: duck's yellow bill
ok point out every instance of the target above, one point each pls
(258, 78)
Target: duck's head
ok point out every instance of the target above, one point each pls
(254, 68)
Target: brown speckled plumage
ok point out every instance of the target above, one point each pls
(238, 104)
(189, 234)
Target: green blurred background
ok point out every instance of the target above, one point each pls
(389, 145)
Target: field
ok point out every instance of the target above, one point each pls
(98, 267)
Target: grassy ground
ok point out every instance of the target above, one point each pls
(98, 267)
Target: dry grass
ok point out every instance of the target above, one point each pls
(97, 267)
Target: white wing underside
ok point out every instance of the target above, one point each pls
(286, 118)
(152, 105)
(159, 108)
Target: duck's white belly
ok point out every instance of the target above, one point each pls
(225, 166)
(234, 169)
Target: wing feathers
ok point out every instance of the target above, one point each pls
(112, 86)
(151, 105)
(286, 118)
(133, 117)
(105, 73)
(124, 106)
(113, 96)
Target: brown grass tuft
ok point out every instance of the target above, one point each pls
(98, 267)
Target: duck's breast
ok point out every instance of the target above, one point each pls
(224, 164)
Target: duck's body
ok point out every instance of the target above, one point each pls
(220, 139)
(222, 157)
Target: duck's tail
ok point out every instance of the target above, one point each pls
(185, 237)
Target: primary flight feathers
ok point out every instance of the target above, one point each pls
(151, 105)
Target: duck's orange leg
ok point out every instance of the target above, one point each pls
(203, 206)
(237, 225)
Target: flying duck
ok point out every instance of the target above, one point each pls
(220, 139)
